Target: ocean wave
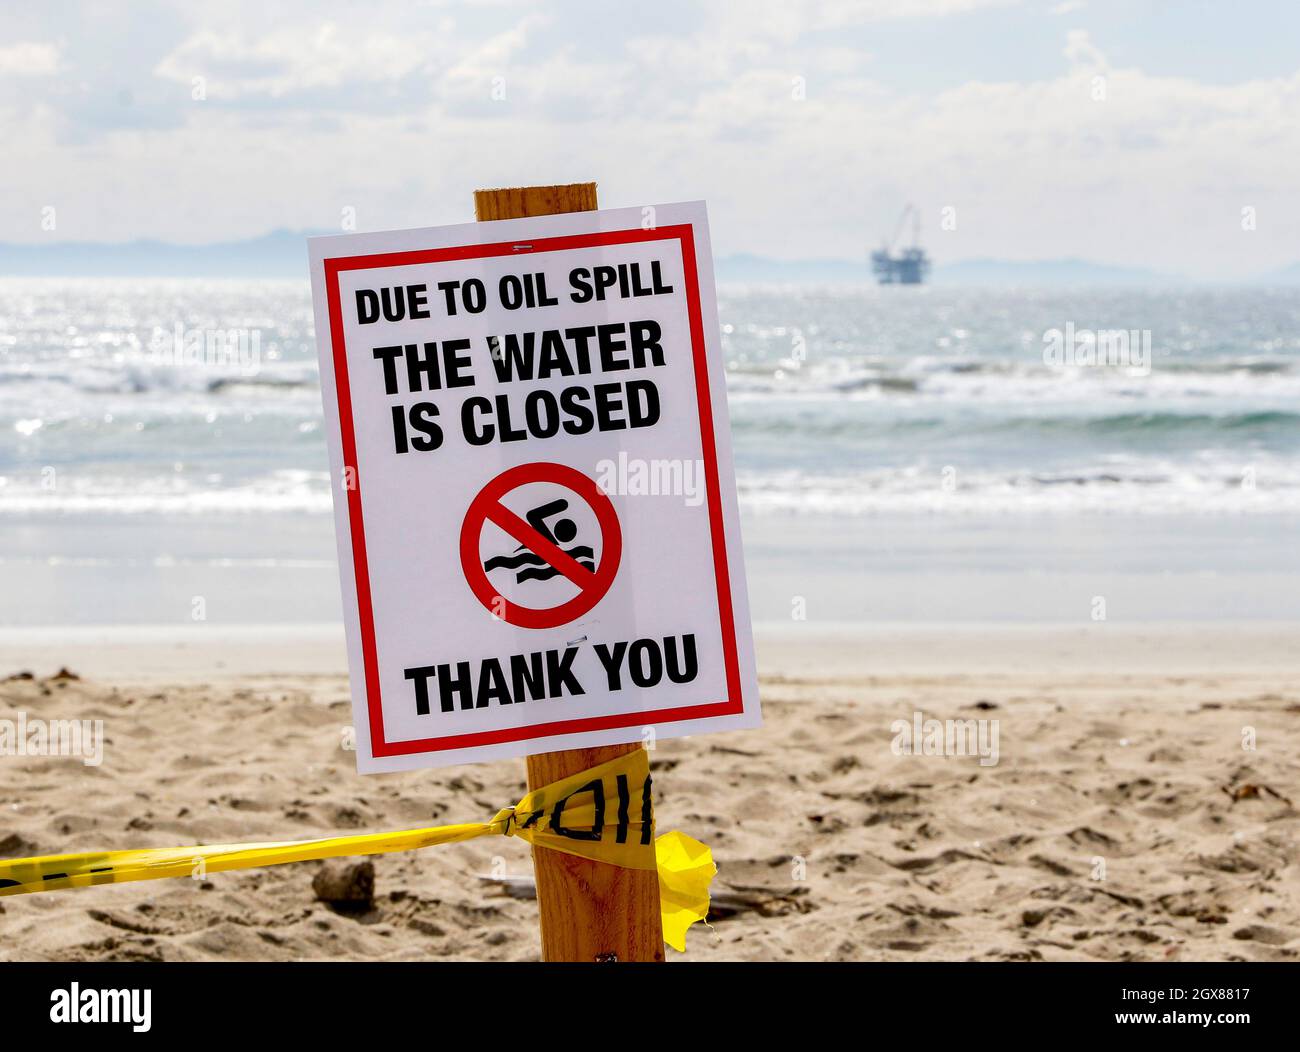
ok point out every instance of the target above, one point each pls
(1139, 485)
(1011, 382)
(144, 376)
(1227, 426)
(839, 404)
(281, 491)
(1154, 421)
(1112, 491)
(938, 377)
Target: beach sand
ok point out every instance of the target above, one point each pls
(1123, 820)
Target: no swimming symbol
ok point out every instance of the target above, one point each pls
(532, 534)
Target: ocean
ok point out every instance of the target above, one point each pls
(902, 453)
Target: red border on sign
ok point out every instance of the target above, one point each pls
(730, 706)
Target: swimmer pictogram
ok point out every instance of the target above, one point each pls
(539, 555)
(531, 566)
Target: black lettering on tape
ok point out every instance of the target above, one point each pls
(597, 789)
(647, 812)
(624, 800)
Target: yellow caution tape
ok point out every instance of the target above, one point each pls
(604, 813)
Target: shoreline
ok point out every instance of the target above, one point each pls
(187, 653)
(918, 570)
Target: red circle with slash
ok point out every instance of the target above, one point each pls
(487, 507)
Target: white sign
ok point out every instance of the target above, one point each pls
(533, 488)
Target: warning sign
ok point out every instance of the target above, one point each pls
(533, 488)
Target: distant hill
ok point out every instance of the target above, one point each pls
(283, 254)
(1047, 272)
(969, 272)
(279, 254)
(760, 270)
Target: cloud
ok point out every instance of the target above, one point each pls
(28, 59)
(830, 14)
(289, 63)
(392, 110)
(1079, 51)
(485, 72)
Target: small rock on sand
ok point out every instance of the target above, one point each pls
(347, 885)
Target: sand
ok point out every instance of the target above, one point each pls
(1124, 820)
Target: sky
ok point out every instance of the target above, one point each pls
(1146, 133)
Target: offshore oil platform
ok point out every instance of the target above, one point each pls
(902, 266)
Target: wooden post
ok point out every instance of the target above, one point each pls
(590, 911)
